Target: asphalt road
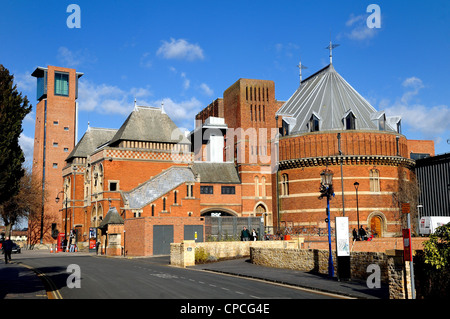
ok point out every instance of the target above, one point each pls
(148, 278)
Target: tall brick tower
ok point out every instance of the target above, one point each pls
(249, 109)
(54, 138)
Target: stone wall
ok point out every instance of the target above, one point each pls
(316, 260)
(183, 254)
(394, 271)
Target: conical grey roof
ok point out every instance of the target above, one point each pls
(330, 98)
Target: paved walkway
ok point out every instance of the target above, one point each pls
(242, 267)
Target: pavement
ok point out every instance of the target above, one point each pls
(17, 281)
(317, 282)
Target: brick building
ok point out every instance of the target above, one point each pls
(326, 124)
(249, 155)
(54, 139)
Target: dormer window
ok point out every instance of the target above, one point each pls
(350, 121)
(382, 123)
(379, 119)
(314, 123)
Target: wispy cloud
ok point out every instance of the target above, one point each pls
(358, 29)
(27, 145)
(430, 121)
(206, 89)
(108, 99)
(73, 59)
(180, 49)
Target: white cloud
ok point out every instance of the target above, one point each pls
(146, 62)
(206, 89)
(25, 82)
(428, 121)
(186, 81)
(415, 84)
(359, 29)
(182, 113)
(27, 145)
(108, 99)
(73, 59)
(180, 49)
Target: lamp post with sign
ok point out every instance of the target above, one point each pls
(326, 190)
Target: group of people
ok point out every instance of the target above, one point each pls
(361, 234)
(246, 235)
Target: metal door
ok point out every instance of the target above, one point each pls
(190, 232)
(162, 237)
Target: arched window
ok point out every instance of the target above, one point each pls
(374, 177)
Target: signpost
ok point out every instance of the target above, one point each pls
(342, 248)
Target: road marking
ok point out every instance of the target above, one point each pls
(50, 287)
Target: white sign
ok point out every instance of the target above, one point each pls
(342, 241)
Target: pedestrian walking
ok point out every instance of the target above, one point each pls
(7, 248)
(362, 233)
(355, 234)
(245, 234)
(254, 235)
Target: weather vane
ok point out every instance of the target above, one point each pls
(301, 67)
(330, 47)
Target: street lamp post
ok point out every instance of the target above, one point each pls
(65, 220)
(326, 190)
(356, 184)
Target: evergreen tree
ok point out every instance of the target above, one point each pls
(13, 109)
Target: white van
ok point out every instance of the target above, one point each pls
(428, 224)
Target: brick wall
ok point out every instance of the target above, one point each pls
(139, 232)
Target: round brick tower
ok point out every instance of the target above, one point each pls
(327, 124)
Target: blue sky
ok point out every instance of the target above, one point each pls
(187, 53)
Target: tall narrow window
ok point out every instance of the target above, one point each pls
(314, 124)
(256, 186)
(61, 84)
(153, 210)
(164, 204)
(374, 176)
(350, 122)
(175, 197)
(263, 186)
(251, 112)
(382, 123)
(284, 185)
